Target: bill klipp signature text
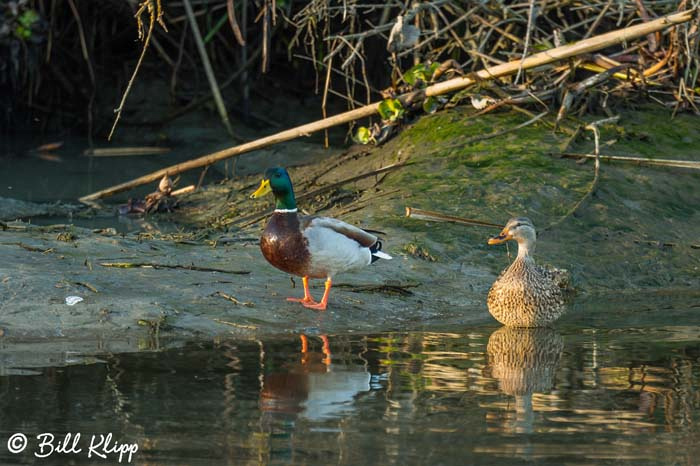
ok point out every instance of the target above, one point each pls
(99, 446)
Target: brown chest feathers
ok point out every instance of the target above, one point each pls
(283, 244)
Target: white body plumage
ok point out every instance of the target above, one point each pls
(336, 246)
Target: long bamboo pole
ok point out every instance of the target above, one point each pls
(539, 59)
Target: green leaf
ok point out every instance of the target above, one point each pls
(430, 105)
(433, 104)
(212, 32)
(390, 109)
(363, 135)
(28, 18)
(431, 70)
(420, 72)
(22, 33)
(415, 73)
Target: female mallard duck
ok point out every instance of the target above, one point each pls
(525, 295)
(311, 247)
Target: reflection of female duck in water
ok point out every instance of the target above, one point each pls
(524, 361)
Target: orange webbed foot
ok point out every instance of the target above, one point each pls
(313, 305)
(321, 306)
(305, 300)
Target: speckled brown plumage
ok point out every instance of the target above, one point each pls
(284, 246)
(526, 294)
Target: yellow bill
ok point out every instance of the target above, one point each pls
(262, 190)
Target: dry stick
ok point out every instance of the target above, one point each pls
(636, 160)
(151, 265)
(233, 299)
(178, 62)
(216, 92)
(352, 179)
(598, 19)
(125, 151)
(234, 24)
(596, 169)
(36, 228)
(539, 59)
(361, 204)
(420, 214)
(434, 35)
(503, 32)
(86, 57)
(325, 94)
(185, 190)
(528, 35)
(118, 111)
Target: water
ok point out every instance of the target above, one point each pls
(480, 395)
(71, 175)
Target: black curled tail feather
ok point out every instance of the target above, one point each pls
(375, 248)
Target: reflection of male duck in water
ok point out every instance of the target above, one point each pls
(314, 387)
(524, 361)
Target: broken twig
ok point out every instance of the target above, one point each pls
(635, 160)
(233, 299)
(596, 169)
(151, 265)
(125, 151)
(388, 288)
(419, 214)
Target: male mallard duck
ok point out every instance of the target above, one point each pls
(311, 247)
(525, 294)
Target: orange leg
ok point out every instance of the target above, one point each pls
(324, 301)
(326, 350)
(307, 299)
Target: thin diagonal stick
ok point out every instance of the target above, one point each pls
(151, 24)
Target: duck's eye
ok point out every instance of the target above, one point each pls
(277, 175)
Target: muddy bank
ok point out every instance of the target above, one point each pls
(189, 289)
(630, 246)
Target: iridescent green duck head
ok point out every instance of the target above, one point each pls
(277, 181)
(518, 229)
